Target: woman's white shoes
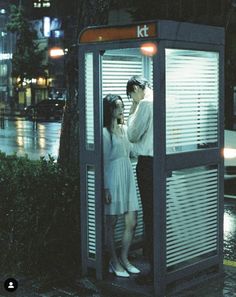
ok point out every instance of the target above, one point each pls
(118, 273)
(129, 267)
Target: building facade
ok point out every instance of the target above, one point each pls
(7, 42)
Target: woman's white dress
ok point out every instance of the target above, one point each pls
(118, 173)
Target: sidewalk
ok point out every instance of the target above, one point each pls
(87, 287)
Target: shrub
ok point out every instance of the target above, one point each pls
(39, 217)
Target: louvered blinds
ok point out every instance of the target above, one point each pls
(89, 96)
(192, 214)
(192, 95)
(118, 67)
(91, 206)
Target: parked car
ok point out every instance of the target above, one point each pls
(47, 109)
(230, 164)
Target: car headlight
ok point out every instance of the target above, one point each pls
(229, 153)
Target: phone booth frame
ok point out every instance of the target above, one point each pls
(166, 35)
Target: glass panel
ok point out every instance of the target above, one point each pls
(192, 96)
(192, 214)
(89, 101)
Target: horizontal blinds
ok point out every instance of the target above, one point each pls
(192, 214)
(192, 97)
(89, 114)
(117, 68)
(91, 212)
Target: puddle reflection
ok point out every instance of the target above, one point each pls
(230, 232)
(27, 137)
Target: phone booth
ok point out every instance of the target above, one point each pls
(185, 64)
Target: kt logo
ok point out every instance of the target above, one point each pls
(142, 31)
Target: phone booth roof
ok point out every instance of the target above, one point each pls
(161, 29)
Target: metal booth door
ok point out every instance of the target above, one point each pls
(188, 170)
(90, 161)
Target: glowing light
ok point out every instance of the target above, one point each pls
(56, 52)
(5, 56)
(41, 81)
(42, 142)
(229, 224)
(20, 141)
(148, 49)
(46, 26)
(229, 153)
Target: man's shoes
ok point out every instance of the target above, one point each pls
(146, 279)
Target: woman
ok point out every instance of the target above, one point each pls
(119, 184)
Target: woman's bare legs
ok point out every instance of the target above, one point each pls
(111, 221)
(130, 224)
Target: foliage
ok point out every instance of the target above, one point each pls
(39, 218)
(27, 60)
(141, 12)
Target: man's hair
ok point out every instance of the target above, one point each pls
(136, 80)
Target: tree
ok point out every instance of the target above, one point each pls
(27, 62)
(88, 12)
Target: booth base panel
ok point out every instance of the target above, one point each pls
(111, 284)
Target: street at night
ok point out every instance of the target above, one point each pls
(28, 137)
(118, 148)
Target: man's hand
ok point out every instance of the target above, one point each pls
(133, 107)
(107, 196)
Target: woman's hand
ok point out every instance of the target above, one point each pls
(107, 196)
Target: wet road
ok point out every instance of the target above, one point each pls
(26, 137)
(230, 230)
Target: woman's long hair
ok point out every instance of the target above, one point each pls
(109, 105)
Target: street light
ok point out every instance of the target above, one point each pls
(58, 68)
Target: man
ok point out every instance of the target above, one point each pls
(140, 132)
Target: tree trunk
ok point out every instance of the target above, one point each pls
(89, 13)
